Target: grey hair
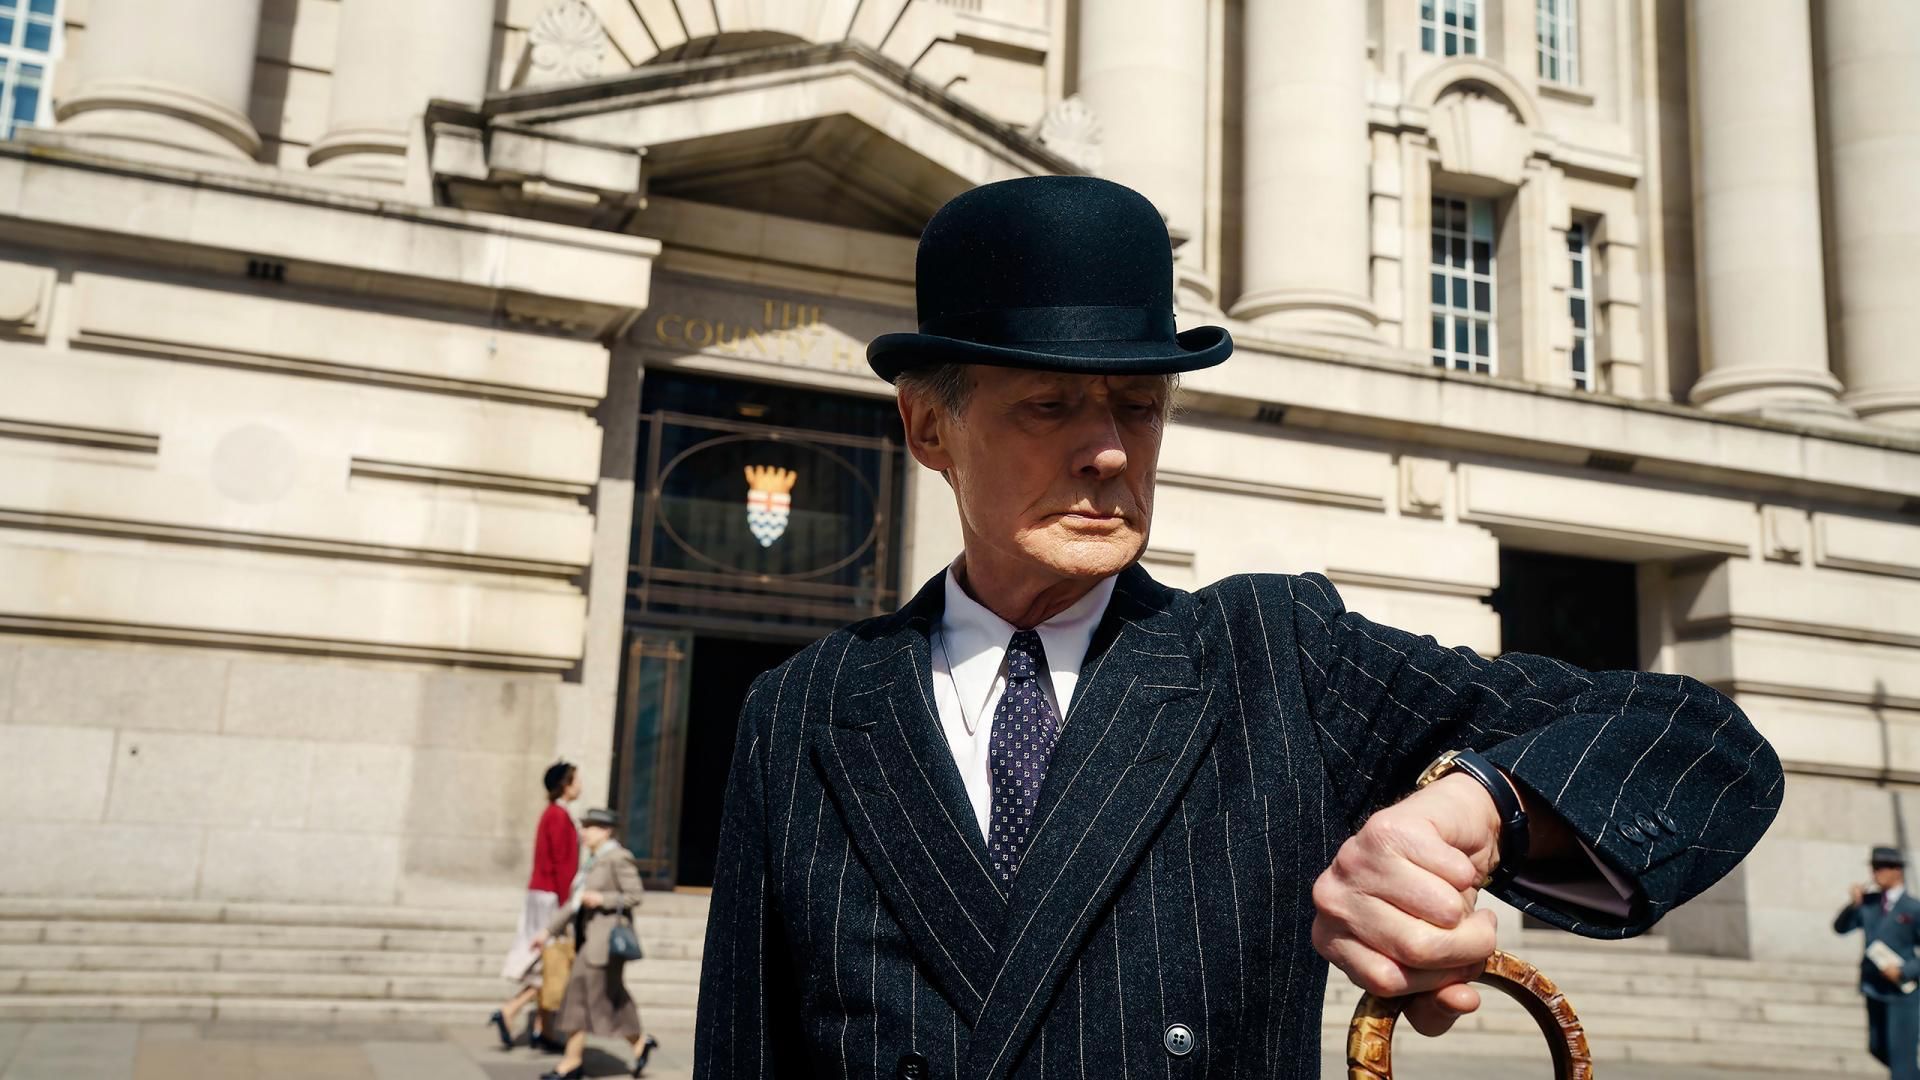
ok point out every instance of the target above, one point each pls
(951, 385)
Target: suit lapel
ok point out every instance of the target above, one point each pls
(891, 772)
(1136, 728)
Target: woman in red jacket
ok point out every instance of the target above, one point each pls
(556, 860)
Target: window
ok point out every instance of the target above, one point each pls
(1556, 26)
(1450, 27)
(1580, 306)
(1462, 276)
(28, 29)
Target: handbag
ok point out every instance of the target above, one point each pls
(556, 963)
(622, 943)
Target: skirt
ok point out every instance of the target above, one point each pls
(598, 1003)
(522, 964)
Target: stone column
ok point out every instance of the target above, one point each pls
(176, 74)
(1305, 178)
(1870, 71)
(1756, 211)
(392, 59)
(1143, 72)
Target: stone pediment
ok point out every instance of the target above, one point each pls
(834, 133)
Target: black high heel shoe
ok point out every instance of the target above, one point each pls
(576, 1073)
(499, 1023)
(646, 1051)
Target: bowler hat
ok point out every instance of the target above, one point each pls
(606, 819)
(1888, 856)
(1055, 273)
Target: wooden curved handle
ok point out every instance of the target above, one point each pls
(1370, 1036)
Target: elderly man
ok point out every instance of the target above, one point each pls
(1053, 818)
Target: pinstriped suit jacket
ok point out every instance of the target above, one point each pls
(1221, 746)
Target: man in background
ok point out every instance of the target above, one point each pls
(1889, 965)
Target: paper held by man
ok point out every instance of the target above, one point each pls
(1883, 957)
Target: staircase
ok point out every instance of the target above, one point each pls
(189, 961)
(185, 961)
(1640, 1003)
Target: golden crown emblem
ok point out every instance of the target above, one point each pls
(770, 479)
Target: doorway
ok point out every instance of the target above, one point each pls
(1582, 611)
(723, 671)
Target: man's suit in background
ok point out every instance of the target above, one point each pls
(1219, 748)
(1893, 1017)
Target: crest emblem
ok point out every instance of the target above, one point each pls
(769, 501)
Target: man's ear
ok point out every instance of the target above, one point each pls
(926, 426)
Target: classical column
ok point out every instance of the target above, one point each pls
(1305, 180)
(177, 74)
(1143, 72)
(391, 59)
(1756, 211)
(1870, 70)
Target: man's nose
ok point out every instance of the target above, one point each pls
(1103, 456)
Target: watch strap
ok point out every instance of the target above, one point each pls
(1515, 835)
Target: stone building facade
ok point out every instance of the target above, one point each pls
(358, 359)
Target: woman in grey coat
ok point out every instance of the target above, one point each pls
(597, 1001)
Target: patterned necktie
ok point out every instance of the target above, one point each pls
(1025, 727)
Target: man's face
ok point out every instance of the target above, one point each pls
(1052, 470)
(1886, 877)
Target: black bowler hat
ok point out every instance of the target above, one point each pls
(1055, 273)
(606, 819)
(1889, 856)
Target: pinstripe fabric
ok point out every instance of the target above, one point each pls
(1220, 747)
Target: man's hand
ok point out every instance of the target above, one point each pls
(1892, 974)
(1859, 894)
(1396, 908)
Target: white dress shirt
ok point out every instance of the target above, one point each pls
(970, 674)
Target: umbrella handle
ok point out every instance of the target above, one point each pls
(1370, 1036)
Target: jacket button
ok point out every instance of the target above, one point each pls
(1666, 822)
(913, 1066)
(1627, 830)
(1179, 1040)
(1647, 825)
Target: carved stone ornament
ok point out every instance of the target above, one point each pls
(567, 44)
(1071, 130)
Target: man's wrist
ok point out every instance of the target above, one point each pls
(1512, 839)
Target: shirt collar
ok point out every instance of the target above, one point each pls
(975, 640)
(1894, 894)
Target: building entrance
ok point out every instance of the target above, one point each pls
(765, 521)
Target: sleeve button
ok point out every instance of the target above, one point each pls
(1627, 830)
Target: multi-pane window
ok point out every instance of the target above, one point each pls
(1580, 305)
(28, 30)
(1450, 27)
(1462, 277)
(1556, 27)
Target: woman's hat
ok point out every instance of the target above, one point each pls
(1054, 273)
(606, 819)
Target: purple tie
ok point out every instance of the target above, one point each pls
(1025, 727)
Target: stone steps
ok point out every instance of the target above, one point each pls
(55, 957)
(1653, 1007)
(277, 1010)
(674, 937)
(311, 964)
(291, 963)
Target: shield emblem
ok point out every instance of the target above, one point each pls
(769, 501)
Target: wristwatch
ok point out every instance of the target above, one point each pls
(1515, 837)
